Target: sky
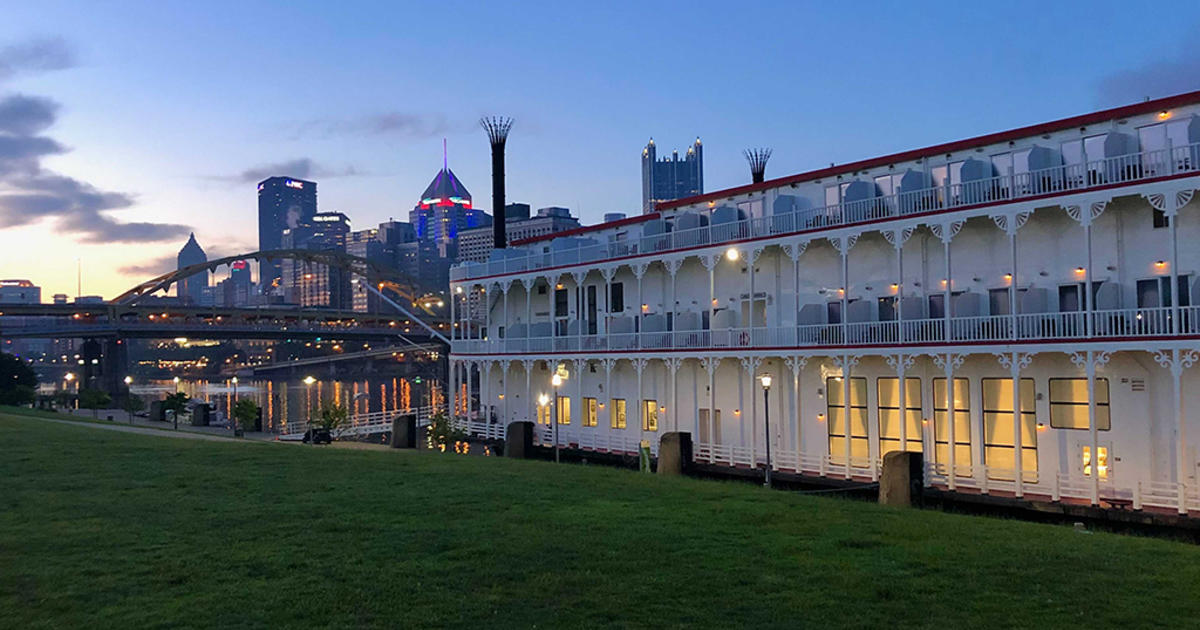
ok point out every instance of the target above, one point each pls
(126, 125)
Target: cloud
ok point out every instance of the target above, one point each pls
(28, 192)
(399, 124)
(303, 168)
(1159, 78)
(37, 55)
(159, 265)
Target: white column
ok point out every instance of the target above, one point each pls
(750, 364)
(673, 365)
(505, 365)
(846, 366)
(529, 402)
(639, 364)
(796, 364)
(608, 368)
(1176, 297)
(504, 316)
(710, 365)
(948, 362)
(1177, 361)
(580, 366)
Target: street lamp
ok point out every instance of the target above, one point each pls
(308, 381)
(129, 406)
(234, 381)
(543, 401)
(556, 381)
(176, 418)
(765, 379)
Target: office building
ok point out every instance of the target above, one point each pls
(443, 210)
(671, 177)
(475, 245)
(283, 203)
(191, 290)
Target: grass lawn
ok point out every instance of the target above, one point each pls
(106, 529)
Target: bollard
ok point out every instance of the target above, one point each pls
(404, 431)
(518, 441)
(674, 453)
(902, 481)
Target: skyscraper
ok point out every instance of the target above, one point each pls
(443, 210)
(283, 203)
(190, 290)
(314, 284)
(671, 178)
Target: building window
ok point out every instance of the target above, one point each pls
(616, 302)
(589, 412)
(998, 303)
(887, 308)
(1102, 452)
(560, 302)
(564, 409)
(859, 446)
(543, 414)
(1069, 403)
(999, 444)
(649, 415)
(1160, 218)
(618, 413)
(962, 424)
(888, 403)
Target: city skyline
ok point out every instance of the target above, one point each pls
(181, 135)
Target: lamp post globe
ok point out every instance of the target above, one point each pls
(765, 381)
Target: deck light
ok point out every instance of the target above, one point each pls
(69, 377)
(558, 286)
(820, 417)
(1160, 263)
(765, 379)
(1079, 270)
(1164, 114)
(732, 253)
(458, 289)
(1008, 276)
(895, 286)
(1041, 426)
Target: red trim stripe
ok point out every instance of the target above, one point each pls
(949, 147)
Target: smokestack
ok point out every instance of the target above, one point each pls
(758, 163)
(497, 130)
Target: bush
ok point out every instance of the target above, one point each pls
(245, 413)
(331, 415)
(94, 399)
(18, 382)
(444, 434)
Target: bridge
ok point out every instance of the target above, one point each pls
(418, 320)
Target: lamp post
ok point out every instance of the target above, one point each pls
(233, 424)
(544, 402)
(67, 378)
(176, 418)
(765, 379)
(556, 381)
(128, 404)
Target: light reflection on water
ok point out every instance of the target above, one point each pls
(284, 401)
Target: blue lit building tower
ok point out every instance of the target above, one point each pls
(443, 210)
(283, 203)
(671, 177)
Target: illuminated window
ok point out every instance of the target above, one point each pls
(589, 412)
(1102, 461)
(564, 410)
(859, 447)
(618, 413)
(649, 415)
(1069, 404)
(543, 414)
(889, 414)
(998, 441)
(962, 424)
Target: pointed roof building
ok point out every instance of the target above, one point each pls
(191, 289)
(445, 190)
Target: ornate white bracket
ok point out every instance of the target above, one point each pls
(579, 277)
(639, 365)
(1011, 222)
(955, 361)
(795, 250)
(750, 364)
(1022, 360)
(639, 269)
(608, 273)
(673, 364)
(795, 363)
(899, 236)
(754, 253)
(710, 364)
(895, 361)
(843, 243)
(946, 231)
(1177, 361)
(528, 365)
(846, 362)
(1098, 359)
(1095, 209)
(673, 265)
(1159, 201)
(609, 364)
(710, 260)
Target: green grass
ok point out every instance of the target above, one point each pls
(106, 529)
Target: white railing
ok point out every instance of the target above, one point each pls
(1131, 322)
(1008, 187)
(360, 424)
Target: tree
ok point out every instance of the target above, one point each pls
(245, 413)
(95, 400)
(18, 382)
(132, 405)
(332, 415)
(176, 403)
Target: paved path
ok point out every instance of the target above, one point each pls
(124, 428)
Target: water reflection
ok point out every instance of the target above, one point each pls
(283, 401)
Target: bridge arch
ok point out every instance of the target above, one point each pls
(378, 275)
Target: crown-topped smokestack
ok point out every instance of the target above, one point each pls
(758, 163)
(497, 130)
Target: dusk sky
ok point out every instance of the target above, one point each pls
(165, 114)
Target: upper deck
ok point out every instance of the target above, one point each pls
(1147, 142)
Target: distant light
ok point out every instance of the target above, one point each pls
(1164, 114)
(1160, 263)
(308, 380)
(181, 340)
(128, 380)
(1079, 270)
